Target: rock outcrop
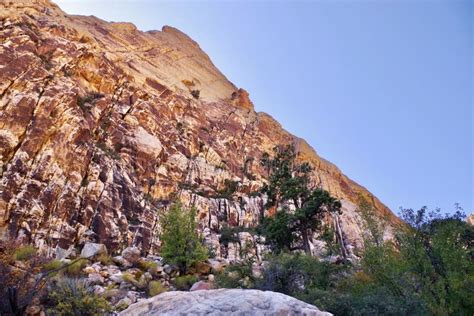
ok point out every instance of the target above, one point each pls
(223, 302)
(102, 125)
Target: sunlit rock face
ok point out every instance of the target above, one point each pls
(101, 127)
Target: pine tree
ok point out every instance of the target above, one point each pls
(289, 182)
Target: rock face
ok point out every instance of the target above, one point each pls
(101, 127)
(223, 302)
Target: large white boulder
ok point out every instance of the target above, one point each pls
(222, 302)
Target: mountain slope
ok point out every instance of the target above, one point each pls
(101, 127)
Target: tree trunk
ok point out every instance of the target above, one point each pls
(304, 235)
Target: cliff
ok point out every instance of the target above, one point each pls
(102, 125)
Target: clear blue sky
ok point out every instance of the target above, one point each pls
(383, 89)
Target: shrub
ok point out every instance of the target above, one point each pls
(184, 283)
(155, 288)
(105, 259)
(73, 297)
(75, 269)
(228, 235)
(182, 245)
(195, 93)
(52, 265)
(19, 286)
(237, 275)
(294, 273)
(230, 187)
(24, 252)
(128, 277)
(149, 266)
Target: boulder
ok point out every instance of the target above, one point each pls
(131, 254)
(92, 249)
(222, 302)
(200, 285)
(121, 261)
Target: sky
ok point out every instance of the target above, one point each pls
(383, 89)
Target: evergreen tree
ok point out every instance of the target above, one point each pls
(289, 182)
(181, 243)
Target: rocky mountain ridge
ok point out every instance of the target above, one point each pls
(102, 125)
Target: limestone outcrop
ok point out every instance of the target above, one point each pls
(103, 125)
(235, 302)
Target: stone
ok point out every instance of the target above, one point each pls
(131, 254)
(33, 310)
(95, 278)
(222, 302)
(121, 261)
(133, 296)
(61, 253)
(123, 303)
(89, 270)
(116, 277)
(200, 285)
(211, 278)
(98, 290)
(216, 265)
(92, 249)
(168, 269)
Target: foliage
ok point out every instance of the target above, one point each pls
(70, 296)
(155, 288)
(128, 277)
(24, 253)
(278, 232)
(52, 265)
(230, 187)
(105, 259)
(149, 266)
(289, 183)
(293, 274)
(182, 245)
(195, 93)
(237, 275)
(228, 235)
(428, 270)
(75, 268)
(373, 225)
(184, 282)
(18, 287)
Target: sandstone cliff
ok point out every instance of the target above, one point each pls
(101, 126)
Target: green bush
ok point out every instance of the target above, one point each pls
(128, 277)
(155, 288)
(73, 297)
(237, 275)
(75, 269)
(105, 259)
(52, 265)
(24, 252)
(293, 274)
(184, 283)
(228, 235)
(182, 245)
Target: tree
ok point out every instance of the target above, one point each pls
(289, 183)
(181, 243)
